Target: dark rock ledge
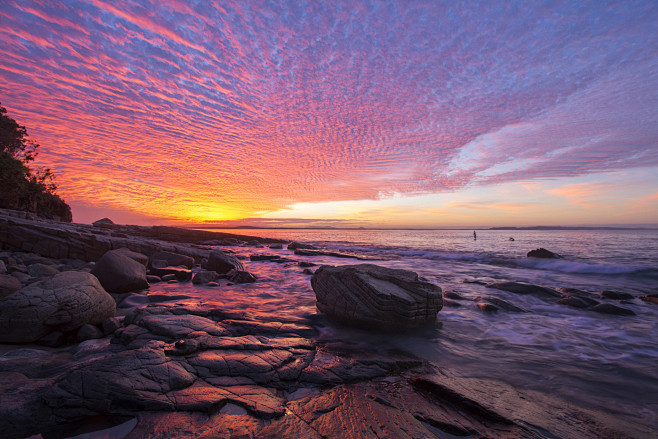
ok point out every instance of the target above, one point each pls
(59, 240)
(214, 370)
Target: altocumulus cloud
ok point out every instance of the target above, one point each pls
(220, 110)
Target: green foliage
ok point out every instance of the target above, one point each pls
(22, 188)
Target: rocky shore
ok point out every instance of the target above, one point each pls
(85, 347)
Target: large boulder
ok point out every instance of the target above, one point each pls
(373, 296)
(222, 262)
(170, 258)
(64, 303)
(119, 273)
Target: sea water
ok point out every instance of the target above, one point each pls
(603, 362)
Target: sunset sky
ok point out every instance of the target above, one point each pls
(373, 114)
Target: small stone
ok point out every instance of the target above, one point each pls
(452, 295)
(153, 279)
(307, 271)
(543, 253)
(298, 245)
(241, 277)
(575, 302)
(264, 257)
(168, 277)
(23, 278)
(88, 332)
(173, 259)
(306, 264)
(41, 270)
(276, 246)
(496, 303)
(8, 285)
(607, 308)
(487, 307)
(182, 274)
(524, 288)
(53, 340)
(204, 276)
(652, 298)
(616, 295)
(212, 284)
(110, 325)
(103, 222)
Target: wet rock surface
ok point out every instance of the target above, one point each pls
(191, 365)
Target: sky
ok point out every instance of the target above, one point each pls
(340, 113)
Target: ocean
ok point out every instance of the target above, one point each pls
(595, 361)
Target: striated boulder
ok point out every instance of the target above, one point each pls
(119, 273)
(8, 285)
(543, 253)
(222, 262)
(64, 303)
(373, 296)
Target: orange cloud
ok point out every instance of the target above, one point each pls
(587, 195)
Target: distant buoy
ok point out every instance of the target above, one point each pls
(511, 239)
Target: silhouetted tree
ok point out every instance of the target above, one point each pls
(22, 188)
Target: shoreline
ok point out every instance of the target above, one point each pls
(280, 377)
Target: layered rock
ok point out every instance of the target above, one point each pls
(373, 296)
(119, 273)
(64, 303)
(76, 241)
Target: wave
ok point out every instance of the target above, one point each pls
(566, 266)
(496, 260)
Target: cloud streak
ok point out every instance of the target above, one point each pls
(225, 110)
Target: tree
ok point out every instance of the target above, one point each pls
(24, 188)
